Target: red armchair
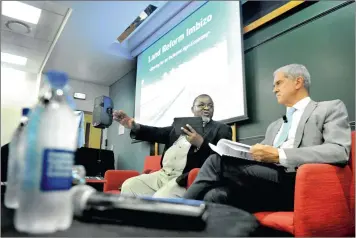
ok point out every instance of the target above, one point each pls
(324, 202)
(115, 178)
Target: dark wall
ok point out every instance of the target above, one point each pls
(321, 36)
(254, 10)
(127, 155)
(324, 44)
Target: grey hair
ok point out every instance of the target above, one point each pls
(294, 71)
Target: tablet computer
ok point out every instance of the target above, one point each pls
(195, 122)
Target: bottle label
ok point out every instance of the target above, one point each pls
(57, 170)
(32, 153)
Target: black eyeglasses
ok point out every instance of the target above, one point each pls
(202, 106)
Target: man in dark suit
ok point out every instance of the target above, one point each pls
(181, 154)
(312, 132)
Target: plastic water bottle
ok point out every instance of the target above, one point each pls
(15, 162)
(78, 174)
(45, 202)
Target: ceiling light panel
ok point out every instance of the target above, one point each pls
(21, 11)
(13, 59)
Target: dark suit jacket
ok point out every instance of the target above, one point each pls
(213, 132)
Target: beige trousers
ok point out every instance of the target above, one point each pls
(157, 184)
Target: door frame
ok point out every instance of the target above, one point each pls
(101, 131)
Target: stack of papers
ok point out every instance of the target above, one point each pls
(233, 149)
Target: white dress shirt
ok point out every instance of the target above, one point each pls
(289, 143)
(175, 158)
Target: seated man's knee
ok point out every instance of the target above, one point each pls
(213, 160)
(129, 185)
(170, 190)
(217, 195)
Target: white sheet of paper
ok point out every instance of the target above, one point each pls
(216, 149)
(231, 148)
(121, 129)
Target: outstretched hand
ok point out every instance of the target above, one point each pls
(121, 117)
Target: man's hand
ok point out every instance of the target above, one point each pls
(193, 137)
(265, 153)
(121, 117)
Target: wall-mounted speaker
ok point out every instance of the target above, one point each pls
(102, 113)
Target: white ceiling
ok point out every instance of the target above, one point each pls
(36, 44)
(83, 47)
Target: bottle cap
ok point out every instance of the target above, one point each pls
(57, 79)
(25, 111)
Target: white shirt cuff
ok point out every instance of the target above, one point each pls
(282, 158)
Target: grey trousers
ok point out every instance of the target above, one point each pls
(249, 185)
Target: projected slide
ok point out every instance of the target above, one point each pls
(201, 55)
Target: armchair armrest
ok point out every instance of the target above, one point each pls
(321, 201)
(148, 171)
(115, 178)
